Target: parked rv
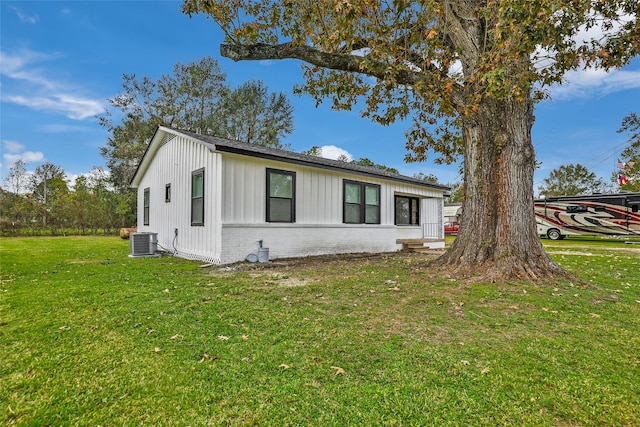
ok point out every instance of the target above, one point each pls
(595, 215)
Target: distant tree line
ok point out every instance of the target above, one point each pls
(43, 202)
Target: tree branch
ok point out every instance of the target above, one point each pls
(343, 62)
(334, 61)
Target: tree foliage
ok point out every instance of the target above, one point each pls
(17, 180)
(317, 151)
(194, 97)
(467, 74)
(426, 63)
(250, 114)
(571, 180)
(631, 154)
(48, 186)
(371, 164)
(457, 192)
(431, 178)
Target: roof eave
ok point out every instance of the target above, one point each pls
(372, 172)
(240, 148)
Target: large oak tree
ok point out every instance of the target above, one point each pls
(467, 72)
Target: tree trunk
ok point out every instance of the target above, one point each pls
(498, 236)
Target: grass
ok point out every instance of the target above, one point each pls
(89, 336)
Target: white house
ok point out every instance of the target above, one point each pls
(215, 200)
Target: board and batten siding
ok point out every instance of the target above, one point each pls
(318, 192)
(173, 163)
(319, 227)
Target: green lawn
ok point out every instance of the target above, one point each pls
(89, 336)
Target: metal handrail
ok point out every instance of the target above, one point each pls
(432, 230)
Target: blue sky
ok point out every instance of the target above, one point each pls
(60, 62)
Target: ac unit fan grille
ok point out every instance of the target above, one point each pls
(143, 244)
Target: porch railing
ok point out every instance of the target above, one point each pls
(432, 230)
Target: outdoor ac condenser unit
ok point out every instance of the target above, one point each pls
(143, 244)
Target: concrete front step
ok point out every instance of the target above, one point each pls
(420, 245)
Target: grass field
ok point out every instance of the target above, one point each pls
(89, 336)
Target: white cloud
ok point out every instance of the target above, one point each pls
(21, 67)
(16, 151)
(333, 152)
(11, 158)
(594, 83)
(12, 146)
(32, 87)
(24, 18)
(74, 108)
(599, 30)
(32, 156)
(63, 128)
(71, 179)
(27, 157)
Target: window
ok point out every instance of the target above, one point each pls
(407, 210)
(197, 197)
(167, 193)
(361, 203)
(281, 200)
(146, 207)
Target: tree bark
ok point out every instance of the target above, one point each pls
(498, 240)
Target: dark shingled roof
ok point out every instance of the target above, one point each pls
(254, 150)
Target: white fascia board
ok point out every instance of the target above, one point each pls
(152, 149)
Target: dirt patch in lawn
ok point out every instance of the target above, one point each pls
(578, 252)
(280, 279)
(283, 265)
(292, 272)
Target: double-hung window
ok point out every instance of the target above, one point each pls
(361, 203)
(407, 210)
(145, 217)
(281, 196)
(197, 197)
